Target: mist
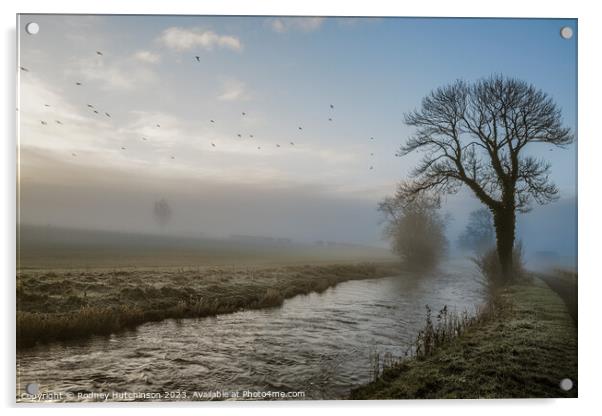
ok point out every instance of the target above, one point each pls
(80, 197)
(70, 195)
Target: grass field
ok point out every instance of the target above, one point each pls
(65, 305)
(51, 248)
(524, 351)
(74, 283)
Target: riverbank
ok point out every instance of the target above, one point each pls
(63, 305)
(523, 351)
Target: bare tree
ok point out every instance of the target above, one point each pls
(162, 212)
(479, 234)
(415, 228)
(474, 135)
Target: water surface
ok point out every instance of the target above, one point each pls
(318, 344)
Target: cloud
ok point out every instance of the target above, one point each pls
(303, 24)
(76, 131)
(233, 90)
(181, 39)
(181, 148)
(147, 57)
(124, 74)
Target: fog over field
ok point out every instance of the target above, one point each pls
(69, 195)
(257, 126)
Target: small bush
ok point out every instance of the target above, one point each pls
(416, 229)
(490, 268)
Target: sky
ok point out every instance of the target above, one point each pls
(96, 171)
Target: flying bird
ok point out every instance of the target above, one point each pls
(300, 128)
(292, 143)
(213, 121)
(43, 122)
(90, 106)
(46, 105)
(78, 83)
(158, 125)
(198, 58)
(144, 138)
(74, 154)
(258, 147)
(239, 135)
(58, 121)
(371, 154)
(123, 148)
(329, 119)
(251, 136)
(371, 167)
(24, 69)
(108, 115)
(173, 157)
(331, 106)
(244, 114)
(213, 144)
(98, 53)
(371, 138)
(95, 111)
(277, 145)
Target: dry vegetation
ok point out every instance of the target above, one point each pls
(489, 266)
(520, 347)
(69, 304)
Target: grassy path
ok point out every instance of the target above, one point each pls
(564, 283)
(524, 351)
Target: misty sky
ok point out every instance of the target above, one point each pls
(283, 73)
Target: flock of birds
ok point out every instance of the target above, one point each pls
(98, 111)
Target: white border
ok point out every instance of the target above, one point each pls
(589, 186)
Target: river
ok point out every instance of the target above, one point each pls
(318, 344)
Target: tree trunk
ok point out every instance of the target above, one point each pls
(504, 220)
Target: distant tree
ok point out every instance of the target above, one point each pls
(479, 234)
(415, 228)
(162, 212)
(475, 135)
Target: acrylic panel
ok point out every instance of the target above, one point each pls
(295, 208)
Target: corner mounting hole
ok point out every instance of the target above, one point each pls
(32, 388)
(32, 28)
(566, 384)
(566, 32)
